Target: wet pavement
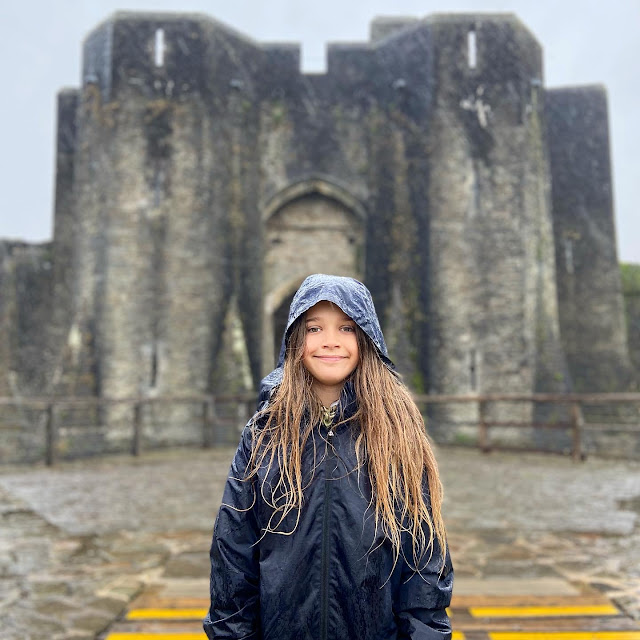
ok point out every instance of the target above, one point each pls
(79, 542)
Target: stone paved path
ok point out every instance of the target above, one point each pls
(80, 542)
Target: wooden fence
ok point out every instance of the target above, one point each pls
(575, 402)
(245, 403)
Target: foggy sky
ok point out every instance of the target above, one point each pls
(584, 42)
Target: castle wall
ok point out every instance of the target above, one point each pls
(430, 148)
(588, 276)
(25, 304)
(399, 178)
(25, 311)
(62, 247)
(201, 176)
(315, 150)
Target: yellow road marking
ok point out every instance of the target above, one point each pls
(166, 614)
(157, 636)
(457, 635)
(565, 635)
(535, 612)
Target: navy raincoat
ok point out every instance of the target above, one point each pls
(334, 577)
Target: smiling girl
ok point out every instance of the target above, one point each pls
(331, 522)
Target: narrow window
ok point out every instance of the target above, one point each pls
(159, 48)
(568, 254)
(154, 367)
(472, 51)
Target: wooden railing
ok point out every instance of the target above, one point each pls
(575, 402)
(245, 403)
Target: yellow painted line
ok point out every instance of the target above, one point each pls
(166, 614)
(157, 636)
(543, 612)
(565, 635)
(457, 635)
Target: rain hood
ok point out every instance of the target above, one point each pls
(348, 294)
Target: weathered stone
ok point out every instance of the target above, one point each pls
(187, 565)
(49, 586)
(91, 621)
(517, 524)
(201, 176)
(113, 606)
(56, 607)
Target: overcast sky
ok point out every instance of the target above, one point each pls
(584, 42)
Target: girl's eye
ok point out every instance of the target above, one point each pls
(348, 328)
(313, 329)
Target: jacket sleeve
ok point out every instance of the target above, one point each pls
(422, 598)
(235, 575)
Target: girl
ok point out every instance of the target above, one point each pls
(330, 525)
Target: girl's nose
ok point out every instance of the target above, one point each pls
(331, 338)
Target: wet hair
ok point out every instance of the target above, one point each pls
(391, 442)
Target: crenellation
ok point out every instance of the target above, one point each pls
(97, 59)
(383, 27)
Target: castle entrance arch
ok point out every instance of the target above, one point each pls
(311, 227)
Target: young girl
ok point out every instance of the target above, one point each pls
(330, 525)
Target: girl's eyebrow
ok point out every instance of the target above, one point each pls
(346, 318)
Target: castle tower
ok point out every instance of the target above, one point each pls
(589, 289)
(152, 270)
(492, 315)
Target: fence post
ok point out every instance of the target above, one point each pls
(483, 428)
(213, 427)
(52, 437)
(577, 422)
(137, 429)
(207, 435)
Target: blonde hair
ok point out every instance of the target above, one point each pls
(392, 442)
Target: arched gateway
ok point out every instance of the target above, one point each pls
(312, 226)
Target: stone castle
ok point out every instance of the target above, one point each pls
(201, 176)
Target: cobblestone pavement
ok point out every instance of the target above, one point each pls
(78, 542)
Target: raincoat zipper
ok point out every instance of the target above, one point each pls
(326, 514)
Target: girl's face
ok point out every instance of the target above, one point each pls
(330, 350)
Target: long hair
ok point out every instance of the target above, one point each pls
(392, 442)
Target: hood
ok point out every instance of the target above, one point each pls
(348, 294)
